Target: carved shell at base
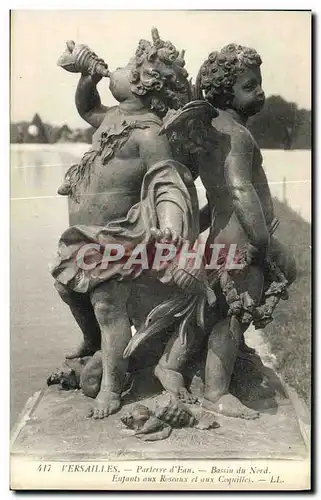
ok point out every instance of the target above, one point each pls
(172, 411)
(164, 413)
(164, 408)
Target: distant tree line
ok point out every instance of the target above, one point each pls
(37, 131)
(280, 125)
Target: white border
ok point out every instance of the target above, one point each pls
(4, 134)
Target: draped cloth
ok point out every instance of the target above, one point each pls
(167, 181)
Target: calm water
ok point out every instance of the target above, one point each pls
(41, 327)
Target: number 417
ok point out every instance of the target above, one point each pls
(44, 468)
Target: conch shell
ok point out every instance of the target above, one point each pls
(81, 59)
(171, 410)
(147, 426)
(165, 412)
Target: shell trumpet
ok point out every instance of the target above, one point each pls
(81, 59)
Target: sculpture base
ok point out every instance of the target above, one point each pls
(56, 427)
(53, 435)
(56, 447)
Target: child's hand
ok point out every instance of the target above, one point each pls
(167, 235)
(95, 78)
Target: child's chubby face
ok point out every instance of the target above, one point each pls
(248, 94)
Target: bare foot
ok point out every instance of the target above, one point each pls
(106, 403)
(187, 397)
(173, 382)
(230, 406)
(85, 349)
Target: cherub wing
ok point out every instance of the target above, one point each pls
(188, 131)
(198, 110)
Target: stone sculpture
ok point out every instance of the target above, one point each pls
(239, 210)
(129, 191)
(133, 189)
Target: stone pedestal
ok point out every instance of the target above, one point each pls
(55, 426)
(54, 429)
(54, 437)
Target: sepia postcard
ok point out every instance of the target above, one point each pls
(160, 170)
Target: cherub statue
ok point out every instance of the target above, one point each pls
(126, 190)
(239, 210)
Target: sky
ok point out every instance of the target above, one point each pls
(282, 38)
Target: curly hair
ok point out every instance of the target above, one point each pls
(218, 73)
(159, 75)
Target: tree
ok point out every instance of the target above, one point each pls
(281, 125)
(36, 131)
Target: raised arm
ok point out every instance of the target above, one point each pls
(88, 102)
(247, 205)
